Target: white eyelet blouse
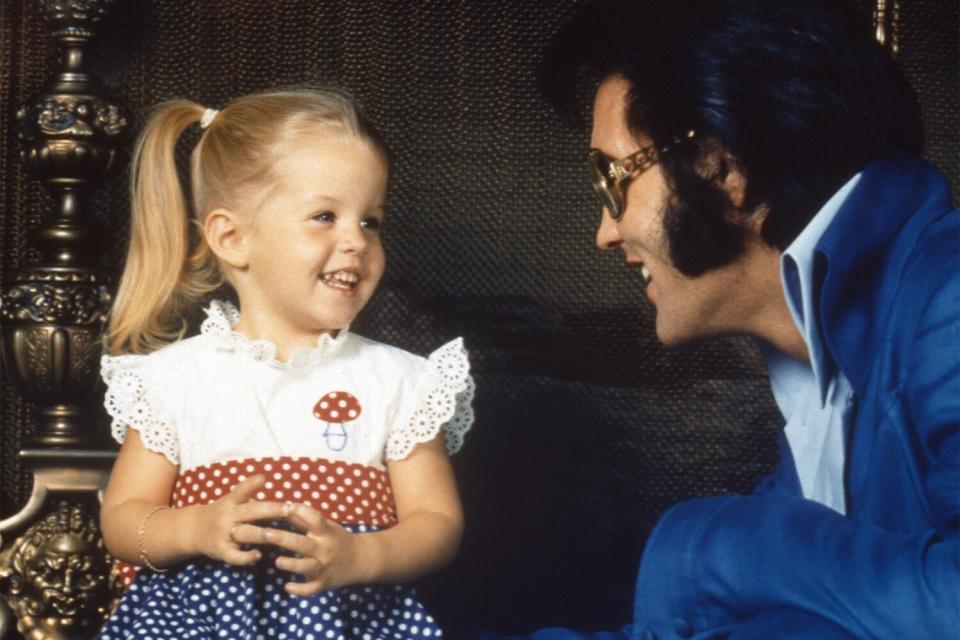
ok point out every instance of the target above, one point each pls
(219, 397)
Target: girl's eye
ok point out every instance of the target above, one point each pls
(325, 216)
(371, 224)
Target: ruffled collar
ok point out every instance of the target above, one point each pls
(222, 316)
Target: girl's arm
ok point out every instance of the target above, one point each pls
(142, 481)
(425, 538)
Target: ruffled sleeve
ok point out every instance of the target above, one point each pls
(441, 398)
(133, 401)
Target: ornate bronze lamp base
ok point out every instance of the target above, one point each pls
(56, 578)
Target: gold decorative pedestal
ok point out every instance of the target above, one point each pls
(55, 575)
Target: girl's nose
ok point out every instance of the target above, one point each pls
(608, 233)
(353, 240)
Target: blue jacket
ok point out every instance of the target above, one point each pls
(775, 565)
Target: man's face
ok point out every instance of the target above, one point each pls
(687, 307)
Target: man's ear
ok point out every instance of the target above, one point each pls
(734, 184)
(227, 236)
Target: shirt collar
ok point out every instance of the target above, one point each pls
(222, 316)
(802, 284)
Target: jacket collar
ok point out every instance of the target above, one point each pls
(864, 247)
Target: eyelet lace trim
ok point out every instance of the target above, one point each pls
(128, 401)
(446, 403)
(222, 316)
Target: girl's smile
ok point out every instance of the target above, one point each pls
(343, 279)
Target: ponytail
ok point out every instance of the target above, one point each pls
(169, 266)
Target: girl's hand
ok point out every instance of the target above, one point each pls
(329, 554)
(224, 524)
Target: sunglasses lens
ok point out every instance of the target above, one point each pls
(608, 200)
(600, 169)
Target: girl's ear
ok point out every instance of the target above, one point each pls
(226, 235)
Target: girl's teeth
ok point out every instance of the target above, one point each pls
(341, 279)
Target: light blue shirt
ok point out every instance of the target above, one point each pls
(815, 398)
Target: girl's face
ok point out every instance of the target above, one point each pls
(314, 251)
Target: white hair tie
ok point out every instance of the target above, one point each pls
(208, 116)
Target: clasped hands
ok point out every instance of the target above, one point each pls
(327, 555)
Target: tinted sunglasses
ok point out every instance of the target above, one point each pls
(610, 178)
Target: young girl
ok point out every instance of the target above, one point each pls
(279, 475)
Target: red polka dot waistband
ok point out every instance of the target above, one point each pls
(345, 492)
(348, 493)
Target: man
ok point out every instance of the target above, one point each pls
(758, 162)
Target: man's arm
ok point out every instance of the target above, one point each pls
(717, 562)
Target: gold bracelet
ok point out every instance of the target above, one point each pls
(144, 558)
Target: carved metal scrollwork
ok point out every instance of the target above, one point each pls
(71, 17)
(76, 303)
(70, 137)
(58, 576)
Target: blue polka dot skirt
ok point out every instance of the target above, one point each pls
(208, 599)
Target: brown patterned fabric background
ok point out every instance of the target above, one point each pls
(587, 429)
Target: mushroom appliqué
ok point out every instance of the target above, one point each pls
(335, 409)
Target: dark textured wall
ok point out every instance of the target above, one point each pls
(586, 428)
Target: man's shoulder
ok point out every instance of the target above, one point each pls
(892, 251)
(936, 252)
(900, 236)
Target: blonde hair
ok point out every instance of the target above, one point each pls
(169, 267)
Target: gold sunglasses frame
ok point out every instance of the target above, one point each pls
(609, 177)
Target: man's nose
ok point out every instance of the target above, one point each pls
(608, 234)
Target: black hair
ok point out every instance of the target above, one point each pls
(796, 94)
